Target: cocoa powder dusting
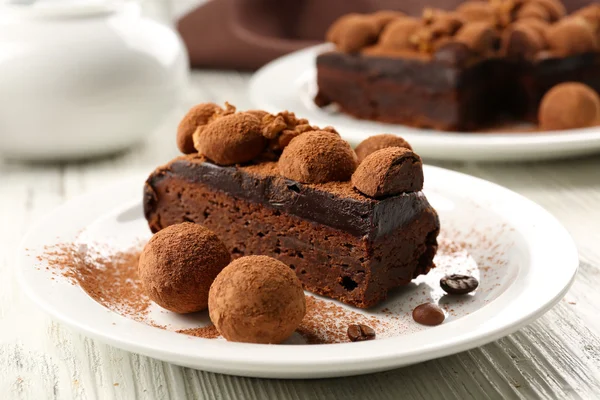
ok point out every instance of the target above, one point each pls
(109, 278)
(206, 332)
(327, 322)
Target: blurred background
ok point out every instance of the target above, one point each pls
(86, 78)
(92, 91)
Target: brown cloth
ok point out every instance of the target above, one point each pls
(246, 34)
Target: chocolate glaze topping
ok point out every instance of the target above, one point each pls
(335, 204)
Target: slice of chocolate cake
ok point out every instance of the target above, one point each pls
(303, 209)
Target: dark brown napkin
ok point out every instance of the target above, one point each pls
(246, 34)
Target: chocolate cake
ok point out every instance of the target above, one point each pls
(461, 70)
(340, 242)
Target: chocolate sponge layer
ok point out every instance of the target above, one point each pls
(340, 243)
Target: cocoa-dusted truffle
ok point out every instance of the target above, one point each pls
(179, 264)
(197, 116)
(473, 11)
(536, 24)
(556, 9)
(569, 105)
(572, 35)
(256, 299)
(522, 41)
(440, 28)
(591, 14)
(480, 37)
(317, 157)
(534, 10)
(353, 32)
(384, 17)
(378, 142)
(333, 33)
(388, 172)
(232, 139)
(397, 34)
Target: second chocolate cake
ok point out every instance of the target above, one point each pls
(460, 70)
(303, 209)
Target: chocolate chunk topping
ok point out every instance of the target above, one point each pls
(458, 284)
(360, 333)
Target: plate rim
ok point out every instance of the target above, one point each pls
(305, 366)
(513, 141)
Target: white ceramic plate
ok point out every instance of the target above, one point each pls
(289, 83)
(524, 258)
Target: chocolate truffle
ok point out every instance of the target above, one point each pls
(317, 157)
(480, 37)
(535, 11)
(256, 299)
(353, 32)
(536, 24)
(438, 31)
(572, 35)
(388, 172)
(335, 30)
(197, 116)
(522, 41)
(591, 14)
(569, 105)
(397, 34)
(179, 264)
(556, 9)
(473, 11)
(378, 142)
(232, 139)
(384, 17)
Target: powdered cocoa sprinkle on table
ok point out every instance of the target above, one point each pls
(206, 332)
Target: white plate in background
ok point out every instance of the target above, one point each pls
(289, 83)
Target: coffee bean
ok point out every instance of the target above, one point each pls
(458, 284)
(428, 314)
(359, 333)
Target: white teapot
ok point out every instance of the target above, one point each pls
(80, 79)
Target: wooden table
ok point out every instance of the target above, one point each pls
(556, 357)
